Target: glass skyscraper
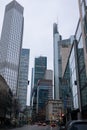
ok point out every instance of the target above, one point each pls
(61, 49)
(81, 37)
(40, 66)
(23, 78)
(11, 43)
(56, 53)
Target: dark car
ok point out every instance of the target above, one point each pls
(77, 125)
(53, 125)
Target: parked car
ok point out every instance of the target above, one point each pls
(76, 125)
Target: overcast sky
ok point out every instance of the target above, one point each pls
(39, 16)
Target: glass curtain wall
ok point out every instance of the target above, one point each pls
(81, 65)
(73, 78)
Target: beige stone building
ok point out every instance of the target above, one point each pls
(54, 110)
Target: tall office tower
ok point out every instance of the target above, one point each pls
(11, 43)
(61, 53)
(81, 37)
(23, 78)
(83, 20)
(56, 51)
(40, 66)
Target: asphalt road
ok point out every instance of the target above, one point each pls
(35, 127)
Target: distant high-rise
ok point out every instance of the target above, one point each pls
(56, 39)
(23, 78)
(11, 43)
(61, 53)
(40, 66)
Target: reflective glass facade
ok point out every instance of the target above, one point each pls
(23, 78)
(73, 78)
(40, 66)
(82, 52)
(10, 44)
(42, 97)
(56, 51)
(66, 89)
(86, 2)
(82, 72)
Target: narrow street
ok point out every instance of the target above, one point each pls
(35, 127)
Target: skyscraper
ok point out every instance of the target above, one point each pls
(23, 78)
(56, 39)
(40, 66)
(11, 43)
(61, 53)
(81, 37)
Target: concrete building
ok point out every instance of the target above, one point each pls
(65, 47)
(11, 43)
(23, 78)
(54, 110)
(48, 75)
